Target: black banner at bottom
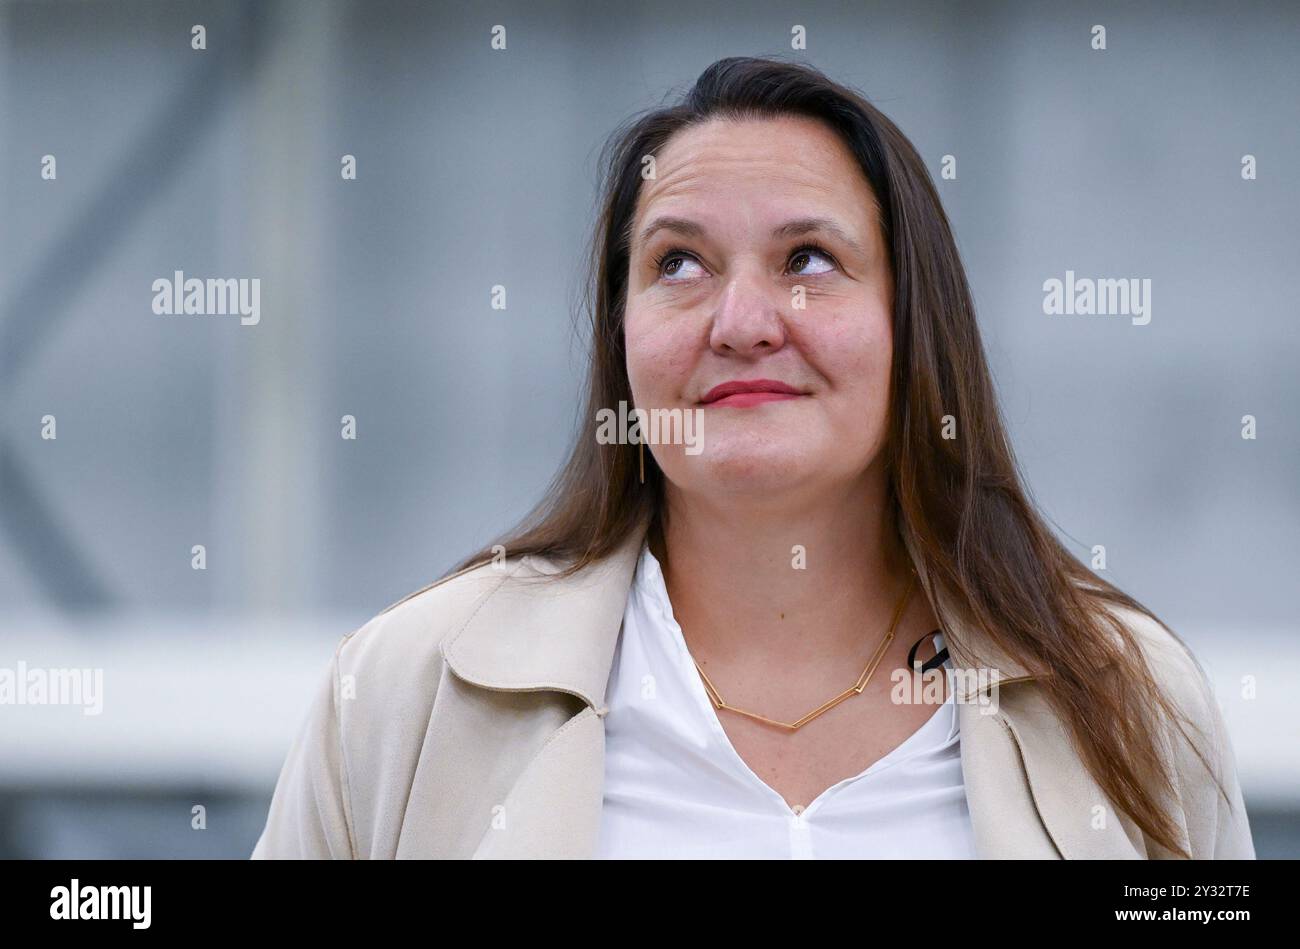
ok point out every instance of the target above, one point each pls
(213, 898)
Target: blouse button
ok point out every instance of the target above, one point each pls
(798, 809)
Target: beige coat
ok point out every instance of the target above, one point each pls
(467, 721)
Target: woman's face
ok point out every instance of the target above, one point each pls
(757, 260)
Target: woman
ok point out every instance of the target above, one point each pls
(819, 616)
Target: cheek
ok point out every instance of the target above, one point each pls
(853, 355)
(660, 359)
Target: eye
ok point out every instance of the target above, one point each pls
(670, 262)
(675, 259)
(808, 253)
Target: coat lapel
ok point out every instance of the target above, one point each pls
(1028, 792)
(553, 810)
(1029, 795)
(533, 634)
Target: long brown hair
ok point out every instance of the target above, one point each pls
(982, 544)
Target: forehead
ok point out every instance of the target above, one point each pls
(792, 164)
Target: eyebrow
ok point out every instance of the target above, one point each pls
(795, 228)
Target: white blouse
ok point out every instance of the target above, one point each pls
(676, 788)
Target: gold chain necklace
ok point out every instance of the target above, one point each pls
(855, 689)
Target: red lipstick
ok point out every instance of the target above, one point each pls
(743, 393)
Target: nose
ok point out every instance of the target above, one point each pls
(747, 321)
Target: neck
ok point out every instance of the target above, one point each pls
(748, 581)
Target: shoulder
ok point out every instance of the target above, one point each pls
(1198, 746)
(344, 786)
(401, 646)
(1173, 665)
(385, 679)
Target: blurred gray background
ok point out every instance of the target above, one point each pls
(477, 167)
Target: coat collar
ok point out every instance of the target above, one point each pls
(572, 627)
(494, 650)
(1029, 794)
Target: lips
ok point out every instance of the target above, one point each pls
(742, 393)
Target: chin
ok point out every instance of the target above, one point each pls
(744, 468)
